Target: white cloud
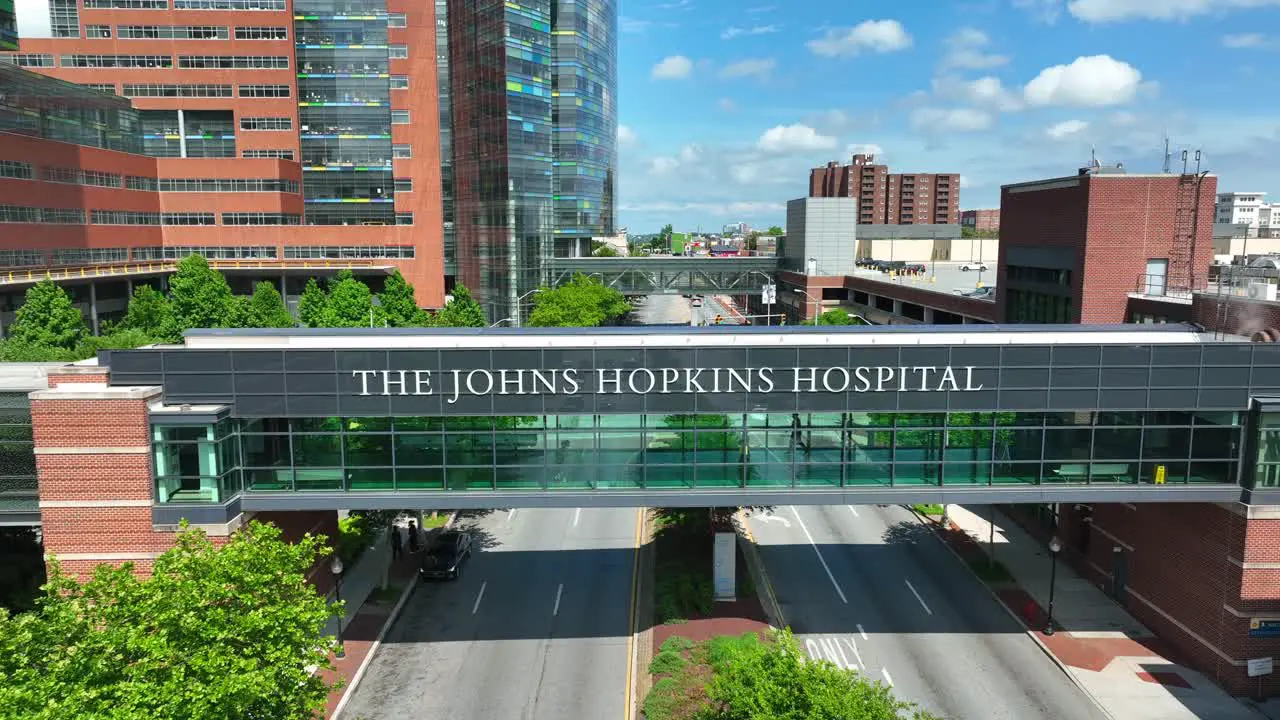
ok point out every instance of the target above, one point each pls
(1092, 81)
(879, 36)
(930, 119)
(733, 32)
(626, 136)
(1042, 10)
(792, 138)
(1102, 11)
(1066, 128)
(964, 51)
(631, 25)
(1245, 41)
(676, 5)
(758, 67)
(732, 209)
(689, 153)
(674, 67)
(663, 165)
(987, 92)
(726, 104)
(864, 149)
(762, 9)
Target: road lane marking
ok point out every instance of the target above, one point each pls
(770, 517)
(885, 673)
(476, 608)
(577, 513)
(510, 514)
(822, 560)
(862, 632)
(913, 592)
(556, 610)
(857, 655)
(843, 658)
(852, 510)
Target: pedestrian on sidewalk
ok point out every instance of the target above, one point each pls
(397, 543)
(413, 536)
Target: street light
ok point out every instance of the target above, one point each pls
(1055, 546)
(336, 568)
(515, 321)
(502, 321)
(817, 317)
(374, 302)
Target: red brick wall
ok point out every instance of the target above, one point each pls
(1234, 315)
(1184, 573)
(1053, 217)
(56, 380)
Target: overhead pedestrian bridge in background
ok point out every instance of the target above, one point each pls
(662, 274)
(464, 418)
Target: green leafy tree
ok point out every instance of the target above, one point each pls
(582, 302)
(47, 319)
(265, 309)
(461, 311)
(603, 249)
(399, 307)
(213, 633)
(199, 296)
(774, 679)
(836, 316)
(775, 230)
(312, 304)
(350, 304)
(122, 339)
(665, 233)
(149, 312)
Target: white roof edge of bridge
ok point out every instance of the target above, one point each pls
(587, 339)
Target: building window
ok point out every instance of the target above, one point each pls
(64, 18)
(397, 20)
(126, 4)
(44, 216)
(15, 169)
(404, 218)
(212, 252)
(262, 33)
(281, 154)
(171, 32)
(227, 185)
(137, 182)
(124, 217)
(250, 218)
(358, 252)
(280, 91)
(266, 123)
(30, 60)
(404, 185)
(399, 82)
(117, 61)
(229, 4)
(194, 218)
(81, 177)
(233, 62)
(131, 90)
(401, 151)
(399, 117)
(396, 52)
(97, 31)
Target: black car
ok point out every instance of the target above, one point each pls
(444, 559)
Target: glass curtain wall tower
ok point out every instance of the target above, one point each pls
(533, 135)
(344, 111)
(446, 141)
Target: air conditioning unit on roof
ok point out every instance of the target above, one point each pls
(1262, 290)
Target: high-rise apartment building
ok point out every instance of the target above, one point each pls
(534, 132)
(886, 198)
(302, 128)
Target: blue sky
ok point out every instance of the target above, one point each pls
(724, 105)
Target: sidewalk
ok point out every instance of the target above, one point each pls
(1108, 653)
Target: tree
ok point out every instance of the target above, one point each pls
(775, 231)
(149, 312)
(265, 309)
(350, 303)
(199, 296)
(399, 307)
(582, 302)
(773, 679)
(214, 633)
(836, 316)
(47, 319)
(461, 311)
(666, 231)
(311, 306)
(603, 249)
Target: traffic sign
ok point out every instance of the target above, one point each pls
(1259, 667)
(769, 294)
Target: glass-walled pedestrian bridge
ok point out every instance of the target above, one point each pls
(622, 417)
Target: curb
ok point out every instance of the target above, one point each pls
(764, 586)
(640, 642)
(382, 633)
(1066, 670)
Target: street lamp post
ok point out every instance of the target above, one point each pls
(510, 320)
(336, 568)
(374, 302)
(1055, 546)
(817, 316)
(515, 321)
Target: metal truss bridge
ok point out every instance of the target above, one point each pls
(665, 275)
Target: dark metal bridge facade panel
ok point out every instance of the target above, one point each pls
(669, 275)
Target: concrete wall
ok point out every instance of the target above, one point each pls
(823, 229)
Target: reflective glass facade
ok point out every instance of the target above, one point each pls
(533, 154)
(446, 138)
(344, 111)
(209, 463)
(39, 106)
(17, 457)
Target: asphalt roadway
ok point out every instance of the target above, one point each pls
(538, 626)
(868, 588)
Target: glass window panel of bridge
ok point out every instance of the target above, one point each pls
(188, 464)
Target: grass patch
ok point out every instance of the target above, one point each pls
(438, 520)
(929, 510)
(989, 570)
(666, 663)
(676, 644)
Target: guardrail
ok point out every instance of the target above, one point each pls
(11, 277)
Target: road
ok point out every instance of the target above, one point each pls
(537, 627)
(663, 310)
(868, 587)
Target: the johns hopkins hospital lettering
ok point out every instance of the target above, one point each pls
(453, 384)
